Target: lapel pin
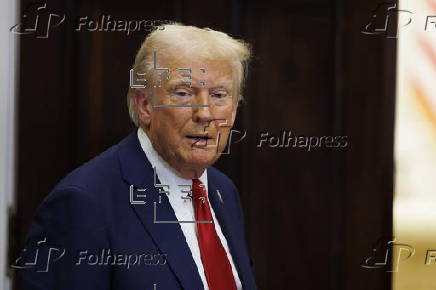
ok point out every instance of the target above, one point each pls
(219, 196)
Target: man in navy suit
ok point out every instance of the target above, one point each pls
(151, 212)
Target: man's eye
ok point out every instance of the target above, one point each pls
(182, 93)
(219, 95)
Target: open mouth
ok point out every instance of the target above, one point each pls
(198, 140)
(199, 137)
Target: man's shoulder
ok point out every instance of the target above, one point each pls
(220, 178)
(103, 169)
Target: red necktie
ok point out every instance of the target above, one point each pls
(216, 265)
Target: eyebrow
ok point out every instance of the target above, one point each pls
(175, 83)
(225, 84)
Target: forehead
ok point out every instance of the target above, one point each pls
(197, 68)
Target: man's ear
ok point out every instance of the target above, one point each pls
(143, 106)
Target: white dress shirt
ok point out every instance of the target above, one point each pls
(184, 209)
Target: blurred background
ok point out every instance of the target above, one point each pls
(324, 218)
(415, 148)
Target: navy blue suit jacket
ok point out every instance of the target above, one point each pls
(87, 234)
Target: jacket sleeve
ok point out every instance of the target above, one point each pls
(62, 247)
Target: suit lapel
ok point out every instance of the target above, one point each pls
(236, 246)
(168, 237)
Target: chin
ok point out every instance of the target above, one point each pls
(201, 159)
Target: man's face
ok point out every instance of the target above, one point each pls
(191, 134)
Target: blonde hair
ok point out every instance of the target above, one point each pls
(177, 40)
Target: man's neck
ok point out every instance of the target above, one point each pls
(180, 170)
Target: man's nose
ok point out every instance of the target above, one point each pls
(201, 112)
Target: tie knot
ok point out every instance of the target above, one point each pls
(198, 190)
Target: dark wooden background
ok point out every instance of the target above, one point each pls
(311, 217)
